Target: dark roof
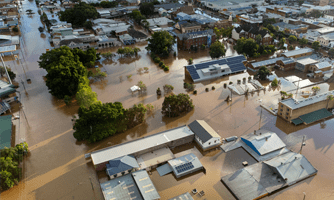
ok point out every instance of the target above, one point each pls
(315, 116)
(67, 42)
(251, 29)
(190, 24)
(121, 164)
(187, 9)
(186, 36)
(202, 130)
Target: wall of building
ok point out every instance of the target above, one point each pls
(301, 55)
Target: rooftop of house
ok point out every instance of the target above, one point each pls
(169, 6)
(297, 52)
(284, 25)
(263, 141)
(251, 29)
(203, 130)
(197, 34)
(121, 164)
(323, 65)
(307, 61)
(160, 21)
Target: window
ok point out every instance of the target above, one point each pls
(282, 106)
(281, 109)
(281, 113)
(287, 109)
(209, 143)
(286, 117)
(287, 113)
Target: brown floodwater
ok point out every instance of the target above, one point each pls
(56, 168)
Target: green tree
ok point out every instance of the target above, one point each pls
(315, 90)
(217, 49)
(146, 9)
(303, 41)
(292, 38)
(258, 38)
(329, 98)
(161, 43)
(79, 14)
(99, 121)
(135, 115)
(331, 53)
(15, 29)
(190, 61)
(85, 96)
(246, 46)
(263, 73)
(175, 105)
(88, 25)
(316, 45)
(137, 16)
(107, 55)
(315, 14)
(274, 83)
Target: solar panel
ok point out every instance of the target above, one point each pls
(184, 167)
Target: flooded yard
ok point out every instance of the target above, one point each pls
(56, 167)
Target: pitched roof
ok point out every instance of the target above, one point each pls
(263, 141)
(121, 164)
(203, 130)
(323, 65)
(67, 42)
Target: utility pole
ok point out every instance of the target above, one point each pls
(23, 85)
(303, 144)
(260, 117)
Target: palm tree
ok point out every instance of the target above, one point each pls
(329, 98)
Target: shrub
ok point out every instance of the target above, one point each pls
(225, 85)
(189, 86)
(153, 55)
(161, 63)
(203, 46)
(156, 59)
(290, 47)
(190, 61)
(15, 29)
(274, 83)
(67, 100)
(207, 89)
(244, 79)
(175, 54)
(213, 88)
(230, 83)
(249, 78)
(129, 76)
(239, 81)
(166, 68)
(195, 92)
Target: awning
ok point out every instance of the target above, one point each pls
(312, 117)
(5, 131)
(164, 169)
(6, 91)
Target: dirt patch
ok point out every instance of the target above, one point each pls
(137, 34)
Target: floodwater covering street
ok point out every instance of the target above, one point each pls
(57, 169)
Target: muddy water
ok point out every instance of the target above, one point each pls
(56, 168)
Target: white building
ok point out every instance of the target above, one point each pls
(205, 136)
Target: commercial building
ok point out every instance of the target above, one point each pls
(215, 68)
(185, 165)
(217, 5)
(304, 64)
(186, 41)
(188, 27)
(261, 179)
(298, 53)
(5, 130)
(205, 136)
(306, 110)
(170, 138)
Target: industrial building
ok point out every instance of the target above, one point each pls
(307, 110)
(160, 141)
(205, 136)
(259, 180)
(215, 68)
(298, 53)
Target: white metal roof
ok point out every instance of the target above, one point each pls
(297, 52)
(140, 144)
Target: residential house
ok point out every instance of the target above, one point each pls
(9, 10)
(195, 39)
(169, 7)
(126, 39)
(304, 64)
(160, 21)
(326, 40)
(216, 5)
(306, 110)
(223, 24)
(251, 31)
(291, 29)
(286, 64)
(205, 136)
(7, 40)
(319, 69)
(162, 12)
(181, 16)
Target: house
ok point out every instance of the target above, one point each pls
(280, 61)
(126, 39)
(216, 5)
(286, 64)
(223, 24)
(188, 27)
(251, 31)
(162, 12)
(298, 53)
(306, 110)
(120, 166)
(160, 21)
(188, 9)
(264, 178)
(186, 41)
(205, 136)
(304, 64)
(215, 68)
(169, 6)
(181, 16)
(290, 28)
(326, 40)
(321, 68)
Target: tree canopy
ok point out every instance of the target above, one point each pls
(175, 105)
(292, 38)
(316, 45)
(161, 43)
(263, 73)
(217, 49)
(137, 16)
(247, 46)
(331, 53)
(79, 14)
(147, 9)
(303, 41)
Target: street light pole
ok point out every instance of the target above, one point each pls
(260, 118)
(303, 144)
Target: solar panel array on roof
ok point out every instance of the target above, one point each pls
(192, 71)
(237, 67)
(184, 167)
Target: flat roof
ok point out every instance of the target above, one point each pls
(123, 187)
(10, 48)
(266, 62)
(145, 185)
(297, 52)
(140, 144)
(185, 164)
(307, 61)
(154, 157)
(322, 65)
(5, 131)
(263, 141)
(295, 104)
(184, 196)
(203, 130)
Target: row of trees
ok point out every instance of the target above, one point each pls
(66, 73)
(161, 43)
(10, 159)
(251, 48)
(128, 51)
(223, 32)
(105, 4)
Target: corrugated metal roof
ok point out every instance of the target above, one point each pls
(264, 141)
(5, 131)
(292, 167)
(145, 185)
(121, 164)
(294, 104)
(307, 61)
(6, 91)
(315, 116)
(140, 144)
(164, 169)
(266, 62)
(323, 65)
(7, 48)
(297, 52)
(203, 130)
(185, 196)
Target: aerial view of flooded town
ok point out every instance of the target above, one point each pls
(170, 100)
